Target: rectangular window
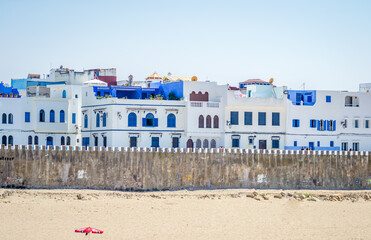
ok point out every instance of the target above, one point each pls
(85, 141)
(295, 123)
(73, 118)
(313, 123)
(175, 142)
(295, 143)
(27, 116)
(275, 143)
(331, 125)
(155, 142)
(235, 142)
(275, 119)
(234, 118)
(344, 146)
(248, 118)
(251, 140)
(321, 125)
(367, 123)
(133, 141)
(262, 118)
(356, 123)
(356, 146)
(318, 143)
(328, 98)
(331, 143)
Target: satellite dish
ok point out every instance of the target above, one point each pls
(271, 80)
(194, 79)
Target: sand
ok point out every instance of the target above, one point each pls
(204, 214)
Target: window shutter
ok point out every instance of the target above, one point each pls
(334, 125)
(327, 125)
(155, 122)
(143, 122)
(318, 125)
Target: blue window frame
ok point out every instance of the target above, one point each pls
(275, 143)
(236, 142)
(36, 140)
(29, 140)
(313, 123)
(73, 118)
(275, 119)
(248, 118)
(86, 121)
(133, 141)
(328, 98)
(171, 120)
(104, 124)
(150, 121)
(295, 123)
(97, 120)
(49, 141)
(311, 145)
(132, 120)
(318, 143)
(27, 117)
(42, 116)
(85, 141)
(234, 118)
(175, 142)
(61, 116)
(155, 142)
(52, 116)
(64, 94)
(262, 118)
(331, 143)
(295, 143)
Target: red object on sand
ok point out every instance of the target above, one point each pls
(88, 230)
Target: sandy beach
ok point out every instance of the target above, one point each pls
(204, 214)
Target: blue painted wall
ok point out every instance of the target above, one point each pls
(7, 90)
(26, 82)
(305, 98)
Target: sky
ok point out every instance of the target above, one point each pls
(325, 44)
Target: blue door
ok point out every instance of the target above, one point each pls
(49, 141)
(311, 145)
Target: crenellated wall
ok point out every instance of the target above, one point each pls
(148, 169)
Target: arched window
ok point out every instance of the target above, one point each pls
(36, 140)
(189, 143)
(29, 140)
(198, 143)
(86, 121)
(4, 118)
(104, 124)
(52, 116)
(208, 121)
(216, 121)
(10, 118)
(206, 143)
(201, 121)
(42, 116)
(61, 116)
(132, 120)
(213, 143)
(171, 120)
(97, 120)
(149, 121)
(49, 141)
(3, 140)
(10, 140)
(68, 141)
(64, 94)
(62, 141)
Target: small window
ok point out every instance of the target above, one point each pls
(275, 143)
(331, 125)
(321, 125)
(155, 142)
(236, 143)
(97, 120)
(171, 121)
(51, 116)
(216, 121)
(86, 121)
(10, 118)
(68, 141)
(42, 116)
(150, 121)
(208, 121)
(356, 123)
(206, 143)
(313, 123)
(201, 121)
(76, 96)
(64, 94)
(262, 118)
(73, 118)
(275, 119)
(355, 146)
(331, 143)
(248, 118)
(133, 141)
(96, 140)
(36, 140)
(4, 140)
(344, 146)
(132, 120)
(251, 140)
(234, 118)
(198, 143)
(295, 143)
(318, 143)
(105, 141)
(61, 116)
(213, 143)
(367, 123)
(10, 140)
(328, 99)
(62, 141)
(29, 140)
(295, 123)
(175, 142)
(27, 116)
(104, 123)
(4, 118)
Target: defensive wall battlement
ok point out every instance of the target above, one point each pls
(163, 168)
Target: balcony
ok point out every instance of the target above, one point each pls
(205, 104)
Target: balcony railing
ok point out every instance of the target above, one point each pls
(351, 105)
(208, 104)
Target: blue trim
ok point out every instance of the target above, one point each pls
(314, 148)
(132, 130)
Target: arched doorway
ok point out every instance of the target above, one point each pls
(189, 143)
